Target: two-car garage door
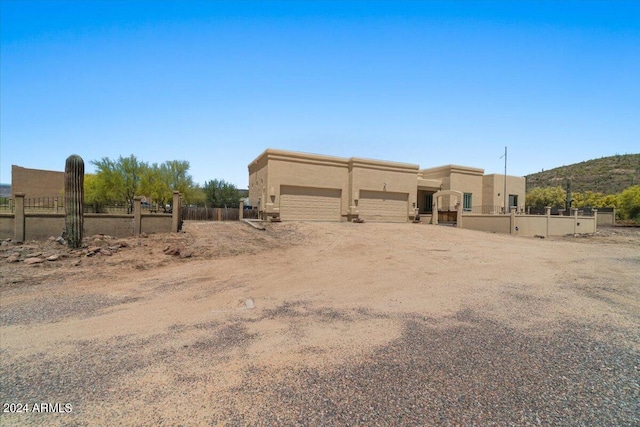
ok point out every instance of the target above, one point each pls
(310, 204)
(324, 204)
(384, 206)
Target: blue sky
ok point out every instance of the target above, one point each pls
(216, 83)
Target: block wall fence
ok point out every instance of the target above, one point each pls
(23, 226)
(532, 225)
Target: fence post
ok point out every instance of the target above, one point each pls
(595, 219)
(459, 214)
(176, 213)
(513, 220)
(574, 212)
(241, 211)
(547, 212)
(18, 218)
(137, 215)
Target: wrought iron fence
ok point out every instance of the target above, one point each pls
(44, 203)
(56, 205)
(586, 211)
(6, 204)
(486, 210)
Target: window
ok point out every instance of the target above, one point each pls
(513, 200)
(466, 202)
(428, 202)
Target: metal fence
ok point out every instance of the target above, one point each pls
(586, 211)
(56, 204)
(486, 210)
(44, 203)
(6, 204)
(196, 213)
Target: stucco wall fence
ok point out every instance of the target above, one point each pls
(532, 225)
(23, 226)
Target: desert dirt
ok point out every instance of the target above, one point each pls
(322, 324)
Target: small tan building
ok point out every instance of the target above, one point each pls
(36, 183)
(301, 186)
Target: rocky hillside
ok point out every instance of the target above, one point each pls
(609, 175)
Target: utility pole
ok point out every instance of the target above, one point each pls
(505, 195)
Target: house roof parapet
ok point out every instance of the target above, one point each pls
(320, 159)
(294, 156)
(449, 169)
(383, 165)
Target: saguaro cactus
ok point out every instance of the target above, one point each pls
(74, 200)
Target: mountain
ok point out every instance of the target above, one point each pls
(608, 175)
(5, 190)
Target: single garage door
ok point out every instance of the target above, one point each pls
(309, 204)
(383, 206)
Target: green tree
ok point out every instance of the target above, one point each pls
(94, 195)
(180, 180)
(594, 200)
(221, 194)
(197, 196)
(546, 196)
(119, 180)
(160, 181)
(629, 203)
(154, 183)
(609, 201)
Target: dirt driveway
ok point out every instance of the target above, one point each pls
(322, 324)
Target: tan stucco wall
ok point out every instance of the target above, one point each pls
(460, 178)
(157, 223)
(490, 223)
(371, 175)
(36, 182)
(41, 226)
(606, 218)
(257, 180)
(275, 168)
(493, 184)
(111, 225)
(530, 225)
(6, 226)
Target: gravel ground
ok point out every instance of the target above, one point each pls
(342, 333)
(460, 371)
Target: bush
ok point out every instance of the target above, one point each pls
(629, 203)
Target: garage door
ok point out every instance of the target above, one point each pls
(309, 204)
(384, 206)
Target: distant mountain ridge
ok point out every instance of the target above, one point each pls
(5, 190)
(608, 175)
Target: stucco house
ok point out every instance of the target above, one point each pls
(302, 186)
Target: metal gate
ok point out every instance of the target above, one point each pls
(447, 217)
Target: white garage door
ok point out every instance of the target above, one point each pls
(384, 206)
(309, 204)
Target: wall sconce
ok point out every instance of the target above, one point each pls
(384, 186)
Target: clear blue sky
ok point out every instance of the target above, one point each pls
(216, 83)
